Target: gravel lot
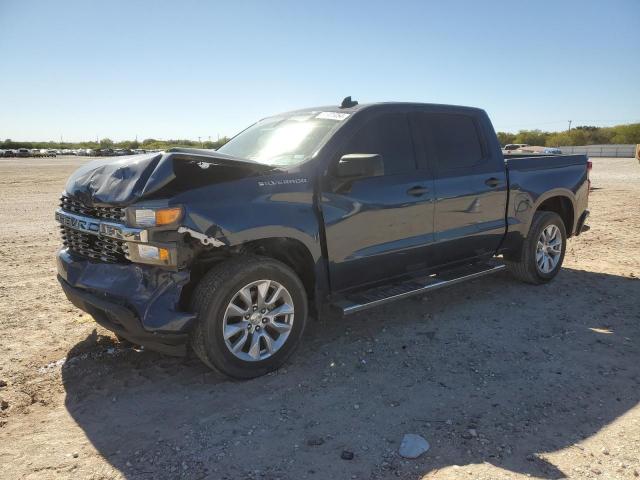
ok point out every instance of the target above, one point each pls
(504, 380)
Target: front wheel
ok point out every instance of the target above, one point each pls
(252, 312)
(542, 251)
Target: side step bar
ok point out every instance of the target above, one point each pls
(356, 302)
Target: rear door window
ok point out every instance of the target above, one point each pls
(452, 140)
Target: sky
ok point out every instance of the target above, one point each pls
(81, 69)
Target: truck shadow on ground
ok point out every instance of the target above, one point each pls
(492, 371)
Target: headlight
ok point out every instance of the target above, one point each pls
(153, 217)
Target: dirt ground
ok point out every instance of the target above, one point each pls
(505, 380)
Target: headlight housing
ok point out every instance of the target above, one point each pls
(156, 217)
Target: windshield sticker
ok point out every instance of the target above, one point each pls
(332, 115)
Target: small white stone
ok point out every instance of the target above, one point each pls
(412, 446)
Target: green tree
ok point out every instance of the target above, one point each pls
(505, 138)
(531, 137)
(106, 143)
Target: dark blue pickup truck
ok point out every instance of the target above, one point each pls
(340, 207)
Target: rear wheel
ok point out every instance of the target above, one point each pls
(542, 251)
(251, 312)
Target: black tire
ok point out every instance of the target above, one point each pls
(124, 342)
(527, 269)
(211, 297)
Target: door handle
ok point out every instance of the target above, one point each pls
(417, 190)
(492, 182)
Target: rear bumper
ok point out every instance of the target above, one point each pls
(138, 302)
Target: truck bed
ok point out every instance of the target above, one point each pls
(537, 162)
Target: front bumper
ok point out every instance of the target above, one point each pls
(138, 302)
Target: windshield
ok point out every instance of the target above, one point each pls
(283, 140)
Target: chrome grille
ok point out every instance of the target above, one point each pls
(96, 247)
(105, 213)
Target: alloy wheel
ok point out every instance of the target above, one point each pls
(548, 249)
(258, 320)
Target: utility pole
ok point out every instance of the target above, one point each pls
(569, 125)
(200, 142)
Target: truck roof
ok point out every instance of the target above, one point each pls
(382, 106)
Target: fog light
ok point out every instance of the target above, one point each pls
(146, 218)
(149, 252)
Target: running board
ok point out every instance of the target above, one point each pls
(356, 302)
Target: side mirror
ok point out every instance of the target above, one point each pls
(360, 165)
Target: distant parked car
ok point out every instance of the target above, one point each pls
(552, 151)
(23, 152)
(105, 152)
(514, 146)
(46, 152)
(139, 150)
(9, 153)
(538, 150)
(123, 151)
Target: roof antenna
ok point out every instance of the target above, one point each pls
(348, 103)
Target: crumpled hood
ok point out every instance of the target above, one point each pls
(125, 180)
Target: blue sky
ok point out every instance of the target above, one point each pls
(183, 69)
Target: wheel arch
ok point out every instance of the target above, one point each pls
(290, 251)
(561, 203)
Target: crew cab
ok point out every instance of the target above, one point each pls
(346, 207)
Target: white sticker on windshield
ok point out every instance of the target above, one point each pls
(332, 115)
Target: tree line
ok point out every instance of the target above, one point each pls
(582, 135)
(147, 144)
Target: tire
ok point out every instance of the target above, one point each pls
(124, 342)
(528, 268)
(212, 301)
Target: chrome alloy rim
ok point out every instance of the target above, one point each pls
(548, 249)
(258, 320)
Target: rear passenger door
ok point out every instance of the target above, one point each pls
(379, 227)
(470, 185)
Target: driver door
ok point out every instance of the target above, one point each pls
(378, 227)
